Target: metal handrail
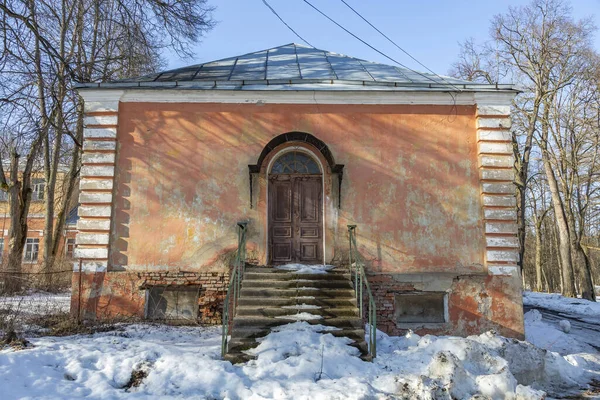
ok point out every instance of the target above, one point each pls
(361, 285)
(235, 285)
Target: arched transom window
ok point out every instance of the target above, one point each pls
(295, 162)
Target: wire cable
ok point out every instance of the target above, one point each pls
(289, 27)
(395, 44)
(375, 49)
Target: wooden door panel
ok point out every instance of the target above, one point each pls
(310, 200)
(282, 200)
(295, 219)
(281, 237)
(309, 239)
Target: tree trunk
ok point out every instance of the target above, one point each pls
(538, 257)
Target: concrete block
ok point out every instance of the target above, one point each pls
(506, 161)
(93, 197)
(95, 184)
(99, 133)
(100, 120)
(98, 158)
(92, 238)
(93, 170)
(499, 213)
(499, 188)
(93, 224)
(495, 148)
(500, 201)
(494, 135)
(91, 252)
(94, 211)
(502, 255)
(503, 122)
(501, 227)
(99, 145)
(507, 270)
(491, 174)
(493, 110)
(502, 241)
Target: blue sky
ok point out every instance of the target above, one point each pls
(429, 30)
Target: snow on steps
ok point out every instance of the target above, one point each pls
(271, 297)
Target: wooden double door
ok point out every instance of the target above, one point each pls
(295, 219)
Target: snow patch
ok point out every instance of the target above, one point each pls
(302, 307)
(303, 316)
(557, 302)
(305, 269)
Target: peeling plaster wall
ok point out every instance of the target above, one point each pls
(411, 183)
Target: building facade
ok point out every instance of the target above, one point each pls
(300, 143)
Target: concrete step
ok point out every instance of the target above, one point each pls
(267, 322)
(251, 275)
(289, 301)
(237, 357)
(250, 334)
(274, 270)
(251, 311)
(293, 284)
(328, 293)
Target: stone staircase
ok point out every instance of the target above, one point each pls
(269, 295)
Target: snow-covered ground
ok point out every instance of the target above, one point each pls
(298, 361)
(556, 302)
(36, 303)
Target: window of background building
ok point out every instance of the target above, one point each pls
(32, 247)
(70, 248)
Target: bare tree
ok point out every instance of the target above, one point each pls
(49, 45)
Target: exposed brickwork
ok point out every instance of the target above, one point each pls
(384, 288)
(121, 294)
(475, 304)
(212, 285)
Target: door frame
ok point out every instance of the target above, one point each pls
(314, 156)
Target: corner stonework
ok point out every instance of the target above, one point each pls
(97, 177)
(496, 174)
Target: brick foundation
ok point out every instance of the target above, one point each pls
(121, 295)
(476, 303)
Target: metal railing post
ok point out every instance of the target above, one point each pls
(361, 283)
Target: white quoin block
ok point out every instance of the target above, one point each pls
(499, 201)
(94, 211)
(501, 227)
(101, 106)
(499, 188)
(499, 213)
(98, 158)
(91, 197)
(507, 270)
(99, 133)
(91, 252)
(497, 174)
(91, 266)
(92, 238)
(93, 170)
(493, 110)
(502, 255)
(91, 145)
(95, 184)
(495, 148)
(494, 122)
(502, 241)
(100, 120)
(502, 161)
(494, 135)
(93, 224)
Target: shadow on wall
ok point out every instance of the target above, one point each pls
(410, 181)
